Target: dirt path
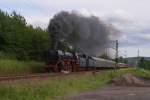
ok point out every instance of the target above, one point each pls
(112, 92)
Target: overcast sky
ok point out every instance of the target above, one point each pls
(131, 17)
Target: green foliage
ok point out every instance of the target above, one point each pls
(122, 60)
(145, 64)
(20, 67)
(20, 40)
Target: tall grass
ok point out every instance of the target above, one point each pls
(50, 89)
(58, 87)
(20, 67)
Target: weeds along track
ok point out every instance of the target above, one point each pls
(42, 75)
(46, 75)
(25, 76)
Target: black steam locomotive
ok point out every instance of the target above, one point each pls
(58, 61)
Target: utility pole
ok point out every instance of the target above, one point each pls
(125, 54)
(116, 54)
(138, 53)
(106, 53)
(138, 57)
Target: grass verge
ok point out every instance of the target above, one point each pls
(57, 87)
(19, 67)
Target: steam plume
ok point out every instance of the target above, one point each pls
(89, 34)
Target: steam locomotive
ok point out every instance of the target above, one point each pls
(58, 61)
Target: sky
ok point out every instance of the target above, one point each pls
(130, 17)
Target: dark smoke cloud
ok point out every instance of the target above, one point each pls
(89, 34)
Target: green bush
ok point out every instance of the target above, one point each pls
(145, 64)
(21, 41)
(20, 67)
(4, 55)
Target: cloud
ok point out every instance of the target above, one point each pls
(134, 32)
(38, 21)
(8, 1)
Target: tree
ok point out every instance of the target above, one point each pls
(120, 59)
(144, 63)
(20, 40)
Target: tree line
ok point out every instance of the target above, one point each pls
(21, 41)
(145, 64)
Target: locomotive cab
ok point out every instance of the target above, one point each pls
(53, 61)
(52, 57)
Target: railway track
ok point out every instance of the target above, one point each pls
(38, 75)
(44, 75)
(17, 77)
